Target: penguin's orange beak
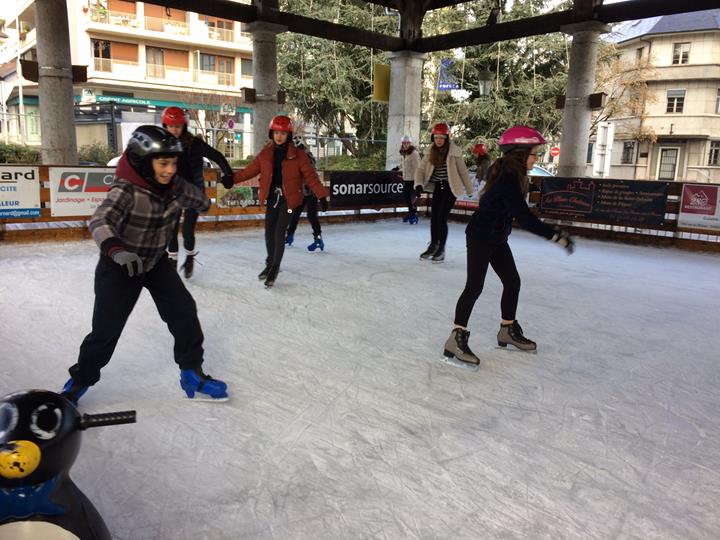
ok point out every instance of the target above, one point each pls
(19, 459)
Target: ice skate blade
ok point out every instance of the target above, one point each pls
(206, 399)
(504, 347)
(451, 360)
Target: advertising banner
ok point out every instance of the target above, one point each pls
(700, 206)
(19, 192)
(358, 189)
(237, 196)
(77, 191)
(616, 201)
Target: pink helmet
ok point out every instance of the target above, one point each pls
(520, 137)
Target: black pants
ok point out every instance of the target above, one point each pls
(310, 203)
(115, 296)
(188, 231)
(480, 254)
(276, 223)
(410, 199)
(443, 201)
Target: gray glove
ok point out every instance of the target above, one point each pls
(565, 240)
(132, 263)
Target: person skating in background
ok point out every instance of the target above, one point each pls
(283, 169)
(409, 161)
(132, 227)
(501, 201)
(482, 161)
(443, 172)
(310, 204)
(190, 167)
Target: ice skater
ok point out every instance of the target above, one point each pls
(442, 171)
(482, 161)
(409, 161)
(502, 199)
(310, 204)
(132, 227)
(190, 167)
(283, 169)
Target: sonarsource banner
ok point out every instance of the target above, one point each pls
(19, 192)
(361, 189)
(700, 206)
(77, 191)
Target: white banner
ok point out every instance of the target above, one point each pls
(78, 191)
(19, 192)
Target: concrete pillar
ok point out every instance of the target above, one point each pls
(55, 86)
(404, 106)
(577, 116)
(265, 81)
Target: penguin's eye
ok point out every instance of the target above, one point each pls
(8, 418)
(45, 421)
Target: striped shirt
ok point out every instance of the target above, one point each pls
(440, 174)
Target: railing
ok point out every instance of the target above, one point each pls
(168, 73)
(166, 26)
(117, 67)
(118, 18)
(214, 77)
(221, 34)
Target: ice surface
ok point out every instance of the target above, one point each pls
(343, 423)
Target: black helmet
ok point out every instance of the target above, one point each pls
(148, 142)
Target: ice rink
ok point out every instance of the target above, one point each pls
(344, 424)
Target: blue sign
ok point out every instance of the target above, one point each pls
(446, 80)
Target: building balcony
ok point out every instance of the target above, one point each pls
(214, 78)
(170, 74)
(121, 68)
(221, 34)
(166, 26)
(117, 18)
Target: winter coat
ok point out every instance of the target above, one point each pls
(409, 164)
(139, 218)
(493, 219)
(458, 175)
(190, 164)
(296, 168)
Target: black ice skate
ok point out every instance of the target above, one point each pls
(458, 353)
(271, 276)
(439, 256)
(189, 265)
(512, 334)
(429, 252)
(172, 257)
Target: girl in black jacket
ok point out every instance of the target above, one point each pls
(502, 199)
(190, 167)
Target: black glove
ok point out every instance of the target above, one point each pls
(132, 263)
(395, 168)
(418, 191)
(565, 240)
(228, 181)
(324, 204)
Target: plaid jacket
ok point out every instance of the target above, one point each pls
(136, 218)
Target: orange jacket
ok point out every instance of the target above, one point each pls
(296, 168)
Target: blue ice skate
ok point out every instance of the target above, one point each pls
(201, 387)
(413, 219)
(289, 238)
(73, 390)
(318, 243)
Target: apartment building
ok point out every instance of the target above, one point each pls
(140, 58)
(682, 109)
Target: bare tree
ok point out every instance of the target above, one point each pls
(210, 112)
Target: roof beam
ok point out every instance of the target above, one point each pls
(643, 9)
(437, 4)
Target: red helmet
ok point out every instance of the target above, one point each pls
(280, 123)
(440, 129)
(479, 150)
(174, 116)
(520, 137)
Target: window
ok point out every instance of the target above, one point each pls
(246, 70)
(681, 53)
(714, 157)
(588, 159)
(639, 54)
(628, 153)
(155, 61)
(207, 62)
(101, 48)
(675, 101)
(717, 102)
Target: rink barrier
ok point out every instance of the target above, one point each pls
(60, 228)
(669, 233)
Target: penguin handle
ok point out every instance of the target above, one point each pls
(107, 419)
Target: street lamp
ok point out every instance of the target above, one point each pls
(485, 81)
